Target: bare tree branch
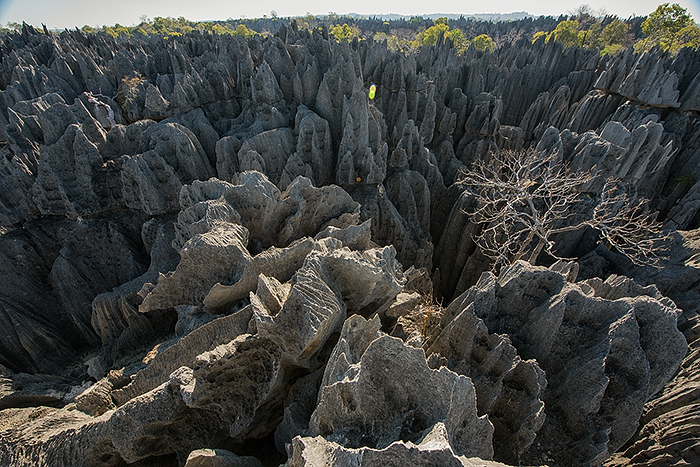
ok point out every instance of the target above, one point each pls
(527, 197)
(630, 228)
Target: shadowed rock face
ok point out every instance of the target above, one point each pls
(599, 355)
(241, 246)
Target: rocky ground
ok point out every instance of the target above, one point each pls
(219, 251)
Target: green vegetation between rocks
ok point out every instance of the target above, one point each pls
(669, 27)
(344, 32)
(610, 38)
(170, 27)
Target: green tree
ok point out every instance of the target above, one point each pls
(614, 32)
(393, 42)
(458, 39)
(590, 38)
(611, 49)
(306, 22)
(343, 32)
(484, 43)
(612, 37)
(669, 27)
(222, 30)
(430, 35)
(117, 30)
(160, 25)
(539, 34)
(243, 31)
(566, 32)
(15, 26)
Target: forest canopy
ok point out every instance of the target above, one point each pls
(669, 27)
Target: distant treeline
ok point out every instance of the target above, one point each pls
(669, 27)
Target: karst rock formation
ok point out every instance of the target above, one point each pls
(221, 251)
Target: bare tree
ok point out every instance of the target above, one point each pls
(526, 198)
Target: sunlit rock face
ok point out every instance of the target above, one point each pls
(215, 247)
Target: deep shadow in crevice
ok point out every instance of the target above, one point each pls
(263, 449)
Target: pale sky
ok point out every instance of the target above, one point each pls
(58, 14)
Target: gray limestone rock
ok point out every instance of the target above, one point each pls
(126, 139)
(280, 263)
(389, 227)
(274, 147)
(17, 178)
(690, 100)
(32, 333)
(589, 113)
(508, 389)
(272, 262)
(457, 257)
(219, 458)
(96, 399)
(683, 213)
(377, 390)
(27, 390)
(198, 123)
(47, 118)
(433, 449)
(362, 155)
(96, 257)
(203, 207)
(314, 157)
(355, 237)
(667, 432)
(404, 304)
(264, 86)
(572, 334)
(676, 279)
(227, 158)
(642, 77)
(155, 105)
(73, 179)
(408, 192)
(180, 149)
(252, 367)
(333, 283)
(218, 255)
(301, 210)
(298, 407)
(184, 352)
(272, 217)
(337, 84)
(645, 151)
(125, 434)
(150, 184)
(115, 315)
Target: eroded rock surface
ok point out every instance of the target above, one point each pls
(364, 399)
(241, 245)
